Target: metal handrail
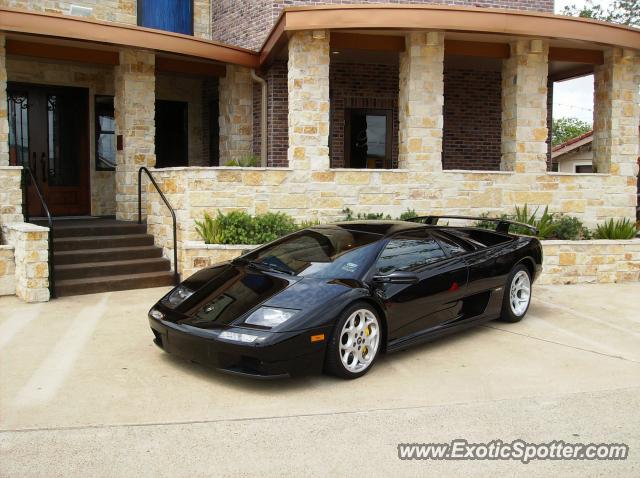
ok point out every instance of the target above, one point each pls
(52, 279)
(176, 276)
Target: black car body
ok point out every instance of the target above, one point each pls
(423, 280)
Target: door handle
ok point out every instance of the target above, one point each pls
(34, 165)
(43, 165)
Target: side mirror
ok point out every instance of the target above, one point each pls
(397, 277)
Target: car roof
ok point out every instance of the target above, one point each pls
(384, 228)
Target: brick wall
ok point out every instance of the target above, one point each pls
(361, 86)
(278, 111)
(472, 119)
(246, 23)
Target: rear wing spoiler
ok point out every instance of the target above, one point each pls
(502, 225)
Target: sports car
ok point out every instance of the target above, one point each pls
(335, 297)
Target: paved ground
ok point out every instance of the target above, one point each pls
(84, 392)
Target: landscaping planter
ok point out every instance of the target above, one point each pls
(565, 262)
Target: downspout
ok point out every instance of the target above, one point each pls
(263, 118)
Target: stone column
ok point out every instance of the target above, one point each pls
(421, 101)
(236, 114)
(524, 107)
(135, 95)
(31, 249)
(616, 113)
(308, 85)
(4, 123)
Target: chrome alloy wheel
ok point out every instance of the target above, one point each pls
(520, 293)
(359, 340)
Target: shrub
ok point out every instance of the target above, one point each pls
(408, 214)
(545, 223)
(349, 216)
(238, 227)
(619, 229)
(569, 228)
(489, 224)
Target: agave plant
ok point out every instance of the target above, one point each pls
(545, 223)
(207, 229)
(619, 229)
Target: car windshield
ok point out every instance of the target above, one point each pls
(323, 252)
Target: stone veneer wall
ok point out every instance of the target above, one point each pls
(98, 81)
(322, 194)
(236, 114)
(565, 262)
(119, 11)
(10, 195)
(7, 271)
(31, 246)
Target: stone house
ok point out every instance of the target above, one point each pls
(438, 106)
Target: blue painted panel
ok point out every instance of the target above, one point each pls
(169, 15)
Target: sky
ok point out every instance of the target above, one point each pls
(574, 98)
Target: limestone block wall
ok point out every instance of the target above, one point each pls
(196, 255)
(236, 114)
(579, 262)
(7, 270)
(120, 11)
(135, 85)
(10, 195)
(98, 81)
(421, 101)
(524, 107)
(31, 246)
(323, 194)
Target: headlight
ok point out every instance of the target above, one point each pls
(179, 295)
(270, 317)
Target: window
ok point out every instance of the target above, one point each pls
(584, 168)
(451, 246)
(105, 134)
(169, 15)
(409, 251)
(368, 138)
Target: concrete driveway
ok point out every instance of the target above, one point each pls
(84, 392)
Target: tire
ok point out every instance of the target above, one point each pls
(517, 295)
(355, 343)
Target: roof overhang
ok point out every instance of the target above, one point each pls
(108, 33)
(447, 18)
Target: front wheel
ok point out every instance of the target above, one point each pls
(517, 295)
(355, 342)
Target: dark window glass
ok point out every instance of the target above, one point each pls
(323, 252)
(172, 137)
(368, 142)
(409, 252)
(18, 128)
(451, 246)
(169, 15)
(105, 134)
(584, 168)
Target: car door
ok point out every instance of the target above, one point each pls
(436, 297)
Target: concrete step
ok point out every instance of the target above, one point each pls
(101, 242)
(105, 255)
(112, 283)
(111, 268)
(97, 228)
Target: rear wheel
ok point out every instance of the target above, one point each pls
(517, 295)
(355, 342)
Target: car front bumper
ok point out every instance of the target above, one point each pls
(272, 355)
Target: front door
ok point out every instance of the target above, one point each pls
(48, 132)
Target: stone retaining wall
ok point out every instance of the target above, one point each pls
(565, 262)
(7, 271)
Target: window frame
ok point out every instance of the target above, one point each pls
(98, 131)
(388, 149)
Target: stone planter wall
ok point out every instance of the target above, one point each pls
(565, 262)
(580, 262)
(7, 271)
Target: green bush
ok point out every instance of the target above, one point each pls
(569, 228)
(408, 214)
(238, 227)
(370, 216)
(619, 229)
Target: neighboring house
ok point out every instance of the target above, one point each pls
(359, 104)
(574, 155)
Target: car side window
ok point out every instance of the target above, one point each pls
(407, 252)
(452, 247)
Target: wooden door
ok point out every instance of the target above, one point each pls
(49, 133)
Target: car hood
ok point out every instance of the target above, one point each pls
(225, 294)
